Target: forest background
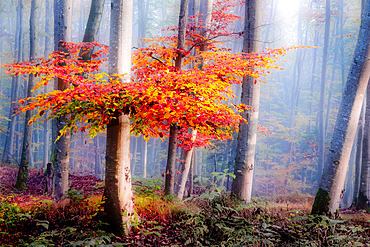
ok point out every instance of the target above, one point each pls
(286, 160)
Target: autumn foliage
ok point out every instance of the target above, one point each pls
(159, 93)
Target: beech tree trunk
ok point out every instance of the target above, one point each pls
(118, 204)
(358, 160)
(172, 142)
(62, 146)
(247, 138)
(9, 142)
(46, 54)
(362, 199)
(331, 185)
(321, 141)
(22, 176)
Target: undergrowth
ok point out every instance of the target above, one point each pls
(209, 220)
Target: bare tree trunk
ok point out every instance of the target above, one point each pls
(172, 142)
(145, 157)
(46, 54)
(363, 200)
(329, 193)
(360, 138)
(247, 138)
(9, 142)
(321, 141)
(62, 146)
(22, 176)
(118, 205)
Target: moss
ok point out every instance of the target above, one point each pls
(321, 203)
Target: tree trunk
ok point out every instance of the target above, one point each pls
(187, 157)
(330, 189)
(321, 140)
(363, 200)
(172, 142)
(247, 138)
(9, 142)
(97, 166)
(62, 146)
(145, 157)
(22, 176)
(358, 164)
(118, 204)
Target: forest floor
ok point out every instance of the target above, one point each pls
(209, 219)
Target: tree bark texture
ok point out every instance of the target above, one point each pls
(363, 200)
(330, 189)
(172, 142)
(358, 160)
(118, 204)
(247, 138)
(63, 144)
(22, 176)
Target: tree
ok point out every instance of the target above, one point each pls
(172, 142)
(63, 14)
(8, 149)
(362, 201)
(22, 176)
(330, 189)
(205, 18)
(322, 91)
(117, 192)
(247, 137)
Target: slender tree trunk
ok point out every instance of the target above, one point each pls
(145, 157)
(9, 142)
(247, 138)
(46, 54)
(118, 204)
(172, 142)
(22, 176)
(187, 157)
(330, 189)
(97, 166)
(363, 200)
(62, 145)
(322, 90)
(358, 164)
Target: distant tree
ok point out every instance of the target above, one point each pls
(331, 185)
(9, 142)
(22, 176)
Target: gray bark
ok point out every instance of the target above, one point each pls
(172, 142)
(321, 141)
(9, 142)
(328, 196)
(62, 146)
(27, 131)
(247, 137)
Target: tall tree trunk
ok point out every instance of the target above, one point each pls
(46, 54)
(93, 25)
(172, 142)
(62, 145)
(363, 200)
(9, 142)
(22, 176)
(118, 204)
(97, 166)
(321, 141)
(358, 164)
(247, 138)
(330, 189)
